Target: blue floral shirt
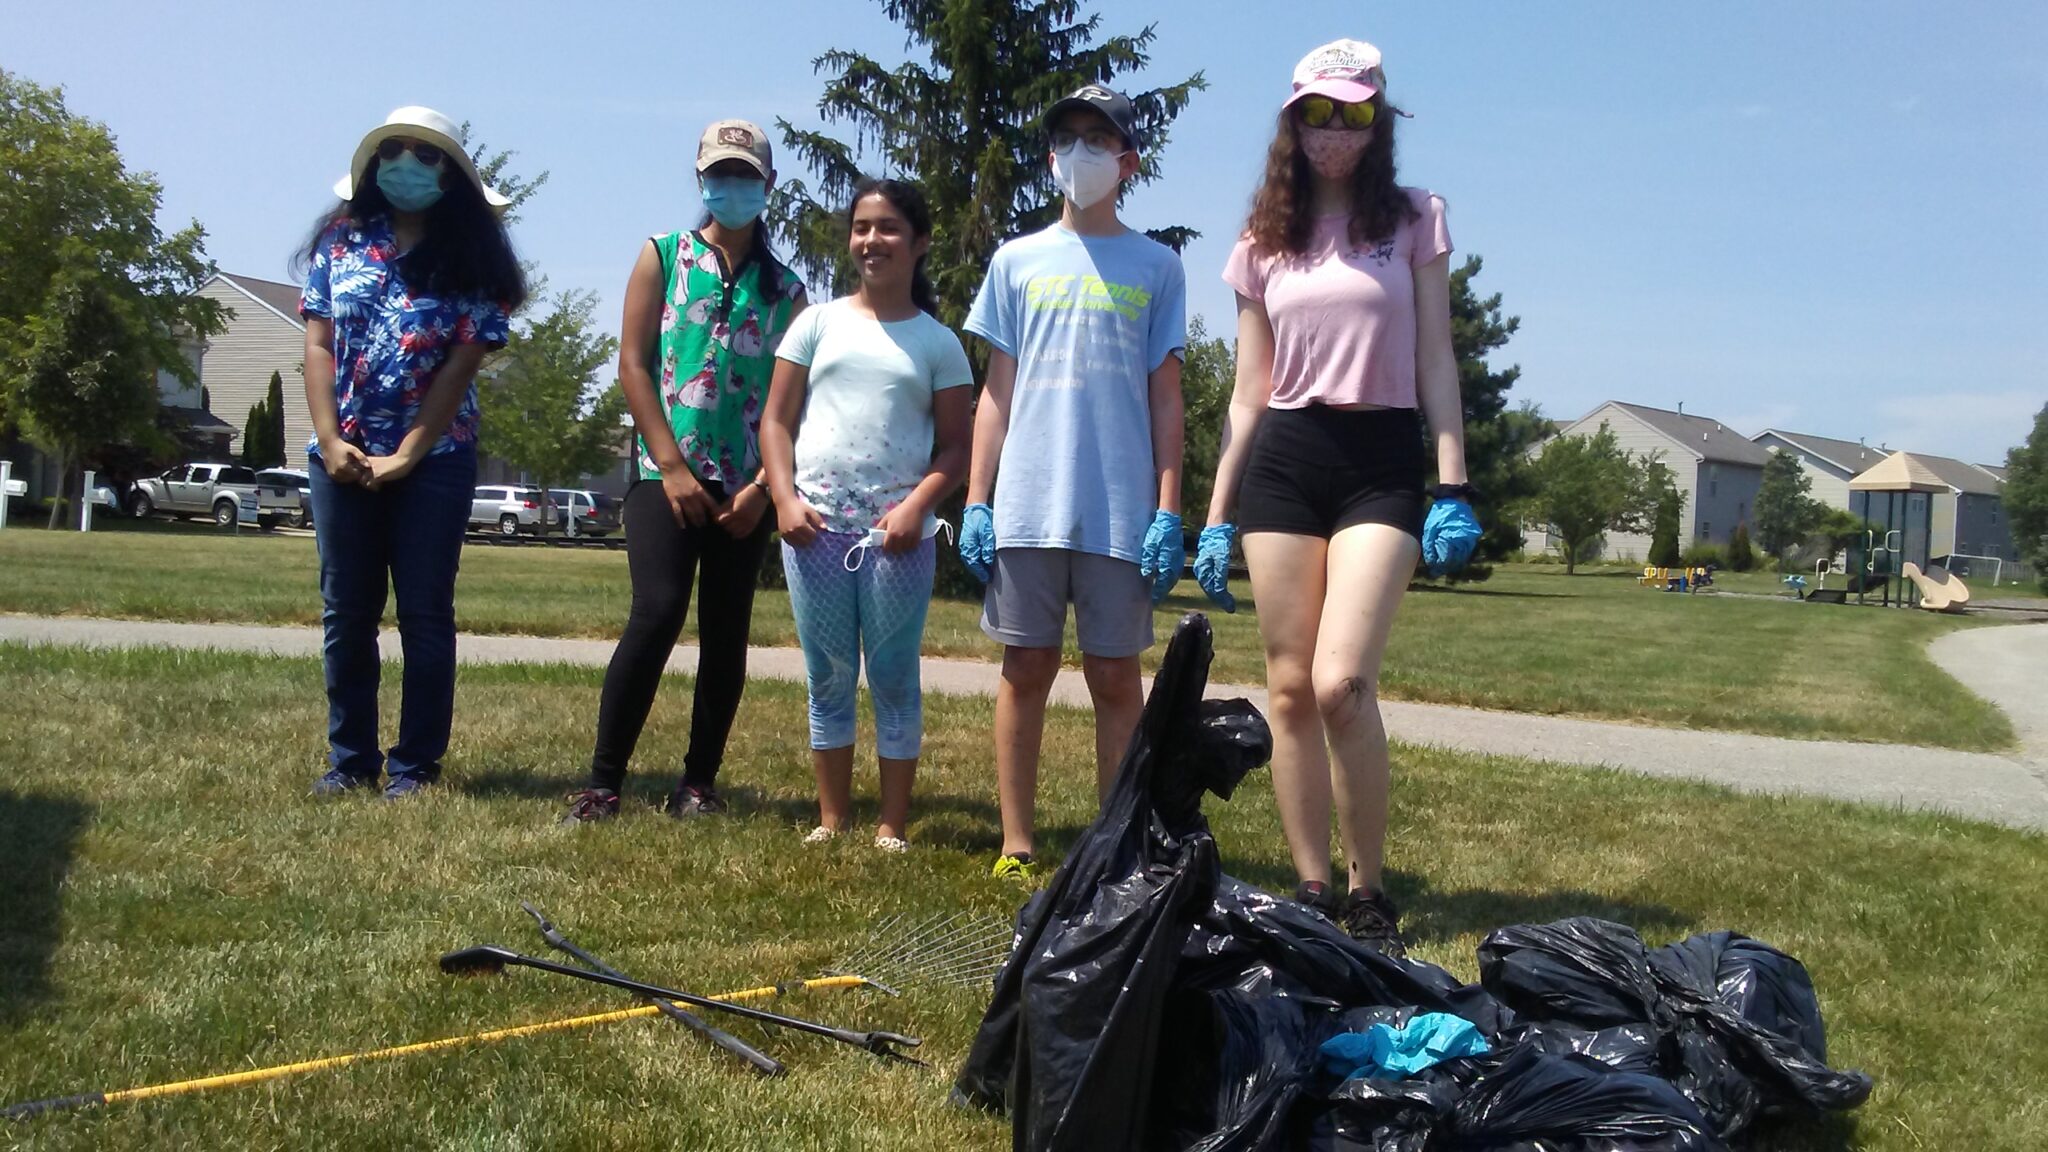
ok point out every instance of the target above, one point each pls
(388, 343)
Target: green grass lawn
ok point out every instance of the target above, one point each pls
(178, 907)
(1531, 639)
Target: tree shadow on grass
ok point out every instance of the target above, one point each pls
(38, 837)
(1467, 590)
(517, 782)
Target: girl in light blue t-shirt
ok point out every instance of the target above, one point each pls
(867, 428)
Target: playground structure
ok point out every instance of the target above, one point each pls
(1894, 496)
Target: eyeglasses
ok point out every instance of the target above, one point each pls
(1323, 112)
(389, 148)
(1098, 141)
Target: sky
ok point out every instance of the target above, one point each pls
(1825, 217)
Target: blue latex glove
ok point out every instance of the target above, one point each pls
(1212, 564)
(1449, 536)
(1384, 1052)
(978, 540)
(1165, 555)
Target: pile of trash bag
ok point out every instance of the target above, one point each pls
(1152, 1002)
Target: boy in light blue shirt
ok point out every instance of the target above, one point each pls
(1077, 442)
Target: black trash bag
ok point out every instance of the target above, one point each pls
(1758, 1047)
(1755, 1044)
(1070, 1040)
(1235, 1064)
(1535, 1102)
(1369, 1115)
(1623, 1047)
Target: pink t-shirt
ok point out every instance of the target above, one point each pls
(1344, 315)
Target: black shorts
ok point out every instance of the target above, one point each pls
(1316, 471)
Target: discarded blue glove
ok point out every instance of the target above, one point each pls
(1165, 555)
(1449, 536)
(1384, 1052)
(978, 540)
(1212, 564)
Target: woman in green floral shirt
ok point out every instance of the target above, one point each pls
(704, 312)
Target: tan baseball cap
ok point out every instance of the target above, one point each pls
(736, 140)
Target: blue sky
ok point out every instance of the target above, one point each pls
(1825, 217)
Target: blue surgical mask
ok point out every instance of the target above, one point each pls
(410, 185)
(734, 201)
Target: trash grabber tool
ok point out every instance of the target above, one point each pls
(34, 1108)
(495, 958)
(762, 1062)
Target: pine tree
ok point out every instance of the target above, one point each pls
(1497, 438)
(273, 444)
(1741, 556)
(964, 124)
(254, 431)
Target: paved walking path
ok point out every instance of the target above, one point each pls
(2008, 666)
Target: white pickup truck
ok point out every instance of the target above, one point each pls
(214, 490)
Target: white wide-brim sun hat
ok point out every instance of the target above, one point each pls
(420, 124)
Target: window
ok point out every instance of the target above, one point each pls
(237, 476)
(1713, 479)
(177, 475)
(1706, 530)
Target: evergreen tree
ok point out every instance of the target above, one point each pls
(274, 426)
(255, 431)
(964, 124)
(1664, 551)
(1497, 438)
(1741, 555)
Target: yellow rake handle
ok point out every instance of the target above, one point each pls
(254, 1075)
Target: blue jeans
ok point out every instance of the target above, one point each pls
(877, 611)
(411, 533)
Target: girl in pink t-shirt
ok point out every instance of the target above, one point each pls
(1343, 331)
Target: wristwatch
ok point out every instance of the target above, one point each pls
(1464, 492)
(761, 482)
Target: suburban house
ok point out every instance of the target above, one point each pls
(264, 335)
(1968, 519)
(1717, 469)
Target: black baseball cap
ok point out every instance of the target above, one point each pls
(1111, 104)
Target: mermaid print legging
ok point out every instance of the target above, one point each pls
(877, 610)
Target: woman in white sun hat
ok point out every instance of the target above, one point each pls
(1344, 332)
(409, 282)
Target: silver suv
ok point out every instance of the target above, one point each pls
(583, 512)
(509, 509)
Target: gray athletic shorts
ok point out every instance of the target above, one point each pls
(1030, 588)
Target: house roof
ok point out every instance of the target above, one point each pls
(1850, 456)
(198, 419)
(1898, 472)
(1963, 477)
(1997, 471)
(282, 299)
(1708, 438)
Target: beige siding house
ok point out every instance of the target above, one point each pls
(264, 335)
(1716, 470)
(1968, 518)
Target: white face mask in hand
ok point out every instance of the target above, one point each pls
(876, 537)
(1084, 177)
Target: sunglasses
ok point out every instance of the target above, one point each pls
(1098, 142)
(389, 149)
(1323, 112)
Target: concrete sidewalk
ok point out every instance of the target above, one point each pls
(2007, 665)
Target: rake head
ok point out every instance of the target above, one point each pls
(484, 958)
(963, 949)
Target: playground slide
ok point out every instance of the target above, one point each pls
(1939, 591)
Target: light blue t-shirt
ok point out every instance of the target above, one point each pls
(864, 441)
(1088, 319)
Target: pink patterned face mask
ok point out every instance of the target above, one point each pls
(1333, 152)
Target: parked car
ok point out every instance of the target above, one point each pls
(509, 508)
(593, 513)
(296, 480)
(214, 490)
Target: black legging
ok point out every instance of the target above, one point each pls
(663, 558)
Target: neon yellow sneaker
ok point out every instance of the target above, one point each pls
(1018, 864)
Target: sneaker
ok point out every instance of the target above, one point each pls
(337, 782)
(1371, 919)
(821, 835)
(1018, 864)
(691, 800)
(896, 844)
(590, 805)
(1318, 896)
(404, 784)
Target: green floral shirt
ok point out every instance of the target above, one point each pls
(716, 351)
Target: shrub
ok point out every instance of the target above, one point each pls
(1702, 554)
(1741, 556)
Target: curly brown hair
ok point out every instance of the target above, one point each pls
(1283, 212)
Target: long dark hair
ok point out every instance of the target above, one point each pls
(1283, 212)
(908, 199)
(465, 252)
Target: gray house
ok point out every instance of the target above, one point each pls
(1968, 519)
(1717, 469)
